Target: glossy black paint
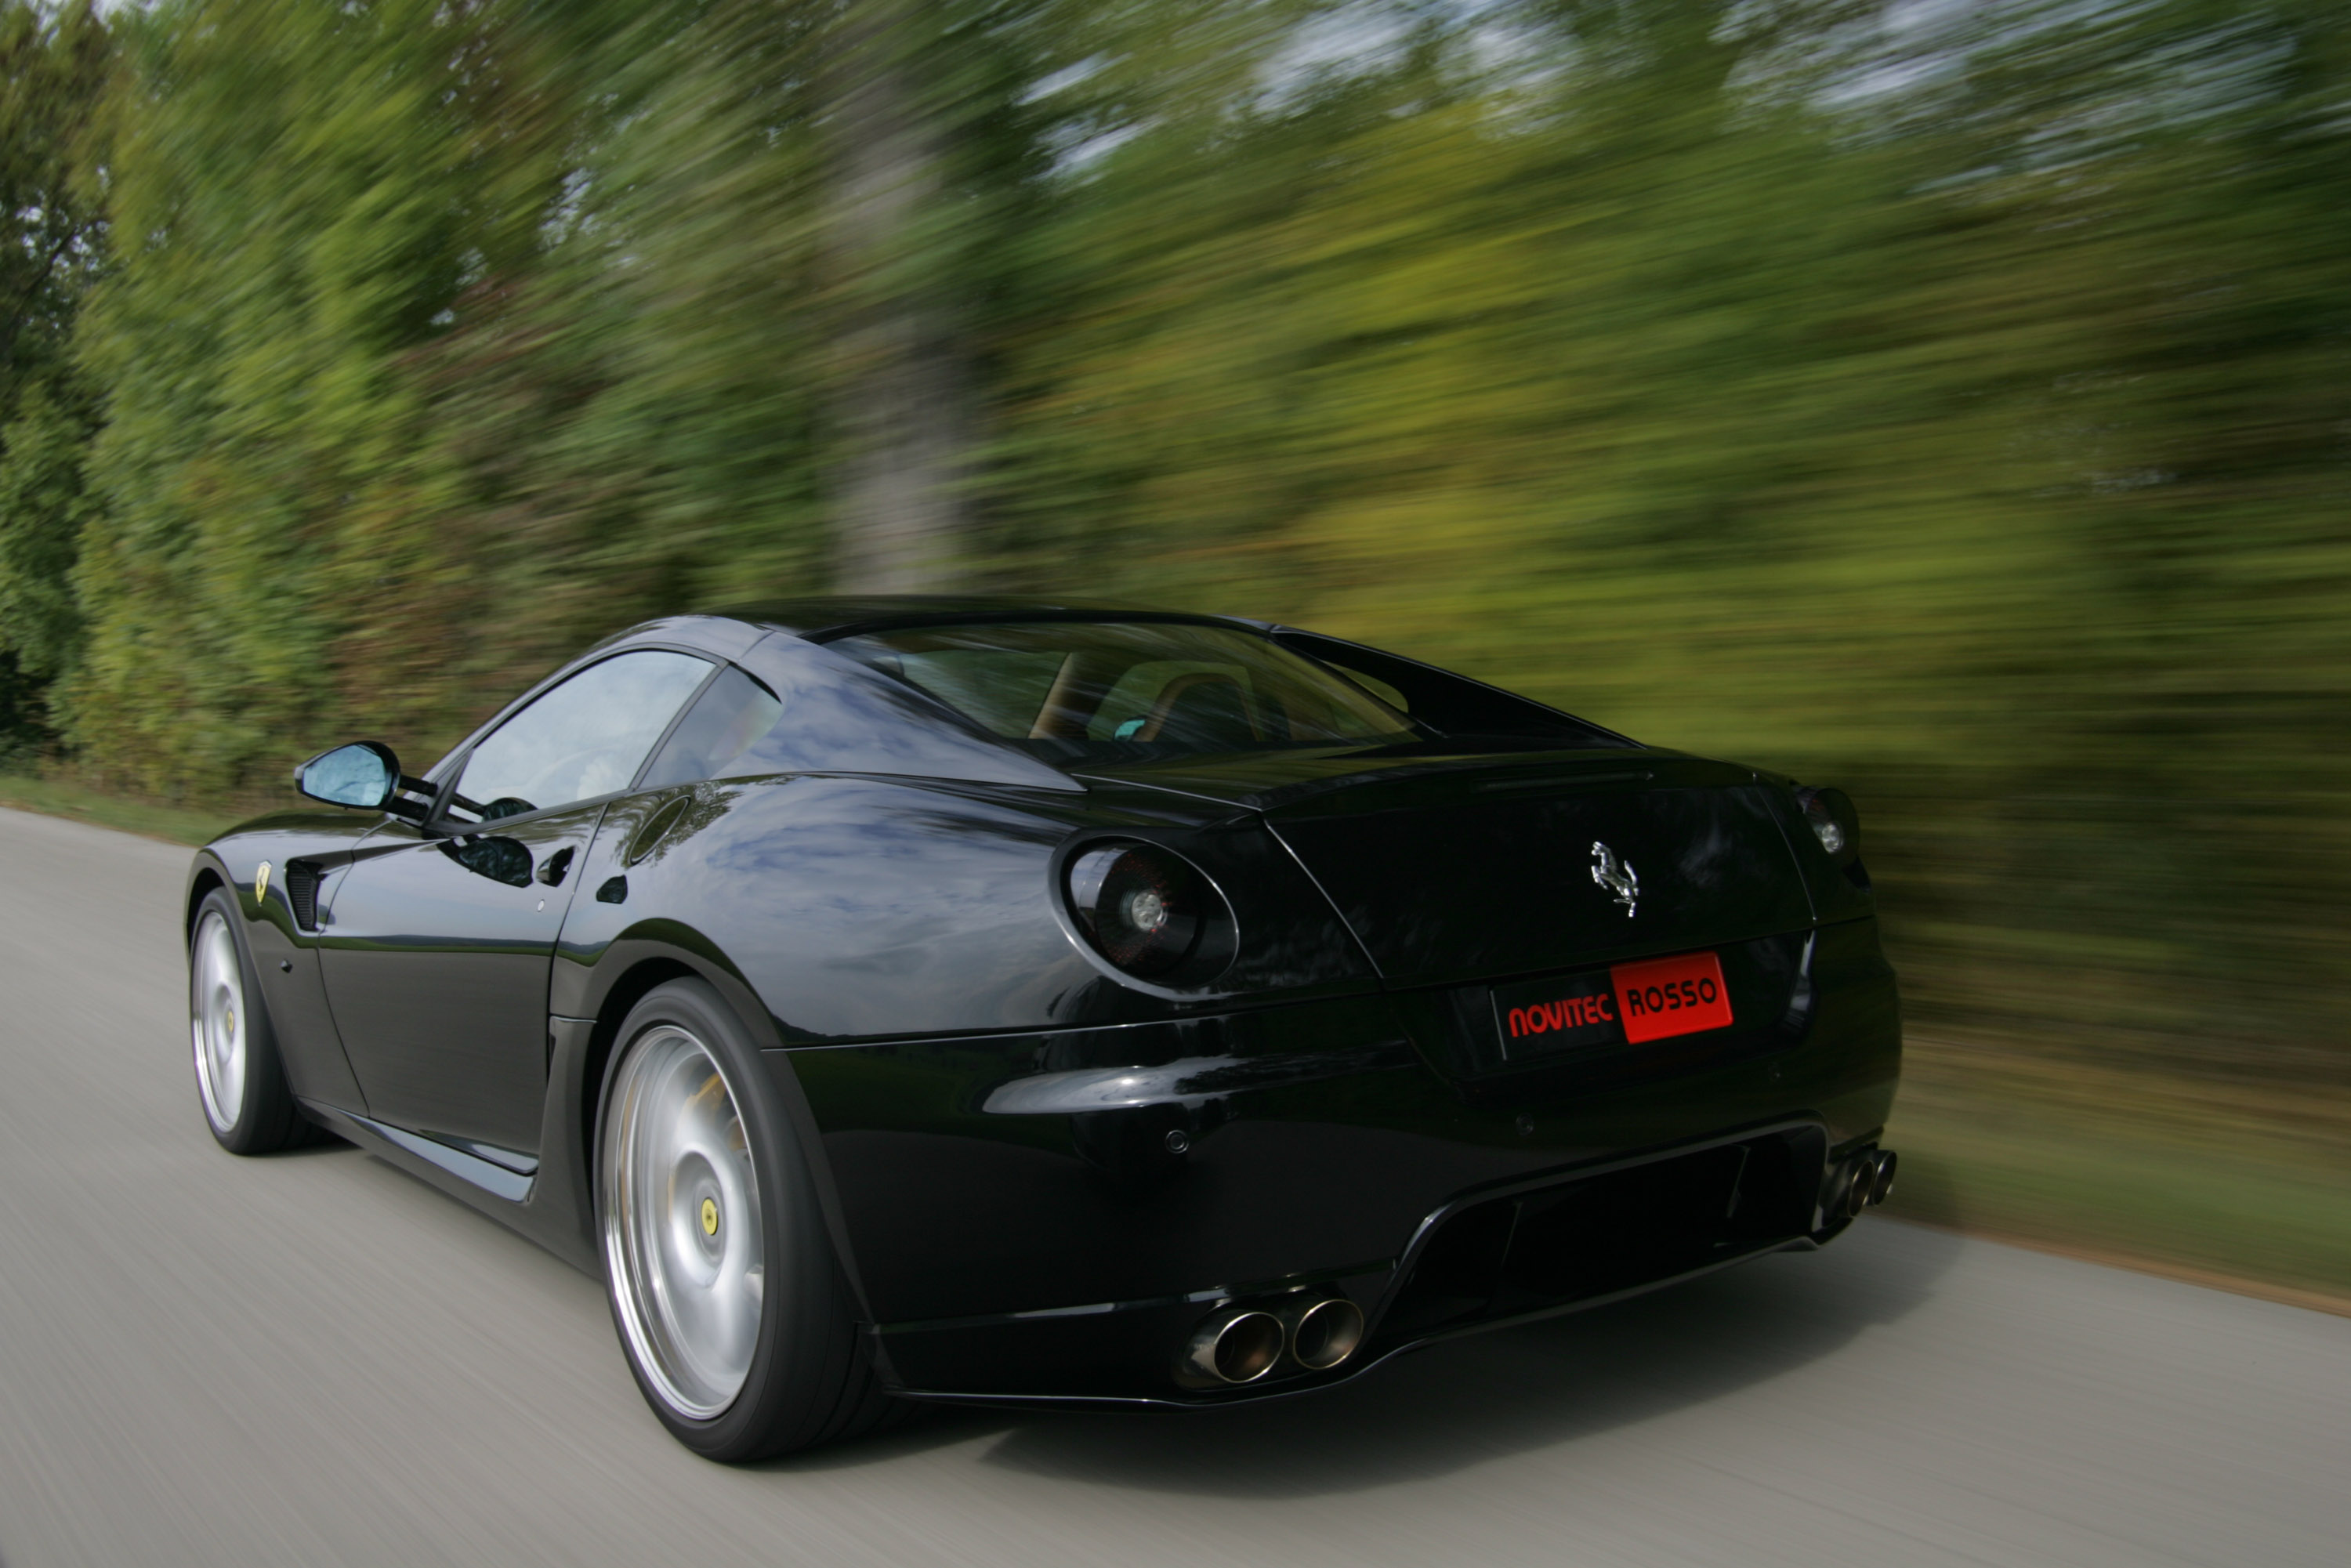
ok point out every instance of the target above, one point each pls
(435, 955)
(1040, 1173)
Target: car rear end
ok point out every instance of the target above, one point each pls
(1549, 1090)
(1529, 1022)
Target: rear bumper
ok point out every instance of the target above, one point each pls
(1489, 1260)
(1045, 1254)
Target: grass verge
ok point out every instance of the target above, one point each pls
(56, 798)
(2226, 1184)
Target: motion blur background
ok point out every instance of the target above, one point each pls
(1947, 400)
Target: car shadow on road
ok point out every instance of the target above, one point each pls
(1469, 1401)
(318, 1141)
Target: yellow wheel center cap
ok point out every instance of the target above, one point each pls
(710, 1216)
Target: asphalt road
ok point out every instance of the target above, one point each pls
(315, 1359)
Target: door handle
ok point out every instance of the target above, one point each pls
(552, 870)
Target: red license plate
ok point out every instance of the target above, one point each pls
(1657, 998)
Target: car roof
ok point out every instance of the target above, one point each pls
(821, 620)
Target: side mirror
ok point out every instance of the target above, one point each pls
(364, 774)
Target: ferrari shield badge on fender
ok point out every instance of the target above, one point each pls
(261, 883)
(1616, 877)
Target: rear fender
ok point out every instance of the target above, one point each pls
(580, 1053)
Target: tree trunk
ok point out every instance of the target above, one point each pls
(902, 388)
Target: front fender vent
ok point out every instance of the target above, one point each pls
(302, 892)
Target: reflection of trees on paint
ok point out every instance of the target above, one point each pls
(705, 804)
(1947, 401)
(500, 860)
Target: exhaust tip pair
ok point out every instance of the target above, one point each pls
(1867, 1180)
(1235, 1344)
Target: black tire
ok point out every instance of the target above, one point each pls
(810, 1378)
(249, 1107)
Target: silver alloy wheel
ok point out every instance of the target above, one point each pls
(217, 1020)
(683, 1243)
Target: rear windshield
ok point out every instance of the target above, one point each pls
(1143, 689)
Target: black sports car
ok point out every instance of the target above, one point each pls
(1003, 1001)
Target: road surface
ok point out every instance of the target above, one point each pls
(316, 1359)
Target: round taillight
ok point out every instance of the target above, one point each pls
(1830, 814)
(1144, 908)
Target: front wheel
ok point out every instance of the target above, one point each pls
(730, 1305)
(240, 1081)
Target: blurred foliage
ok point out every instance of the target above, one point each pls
(53, 70)
(2250, 1180)
(1949, 400)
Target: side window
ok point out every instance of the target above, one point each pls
(729, 719)
(583, 739)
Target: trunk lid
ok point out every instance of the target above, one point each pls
(1451, 869)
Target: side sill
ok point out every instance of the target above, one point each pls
(513, 1160)
(495, 1180)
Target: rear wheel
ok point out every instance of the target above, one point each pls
(730, 1302)
(240, 1079)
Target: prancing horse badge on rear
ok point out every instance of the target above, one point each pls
(1616, 877)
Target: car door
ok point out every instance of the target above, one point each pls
(438, 942)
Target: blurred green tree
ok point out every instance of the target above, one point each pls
(1957, 411)
(1951, 400)
(53, 69)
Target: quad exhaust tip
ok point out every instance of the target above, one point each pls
(1233, 1347)
(1859, 1183)
(1325, 1333)
(1241, 1343)
(1867, 1181)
